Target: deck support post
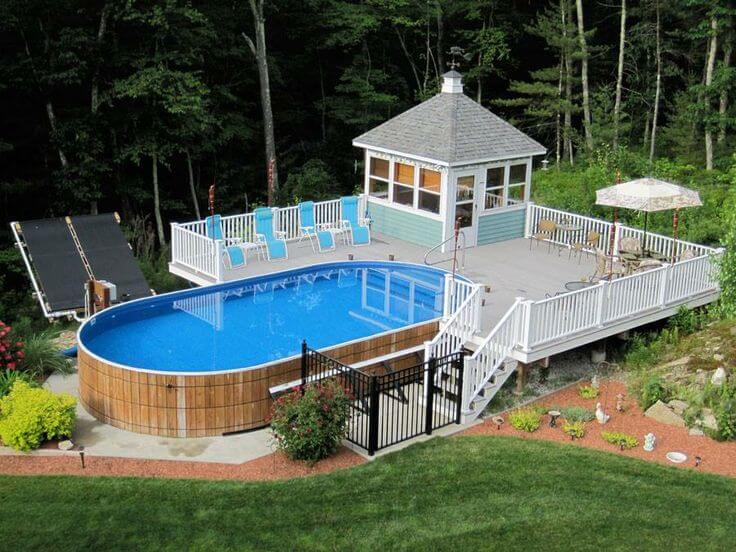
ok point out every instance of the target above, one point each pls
(522, 375)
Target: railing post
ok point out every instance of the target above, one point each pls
(219, 252)
(476, 309)
(304, 366)
(528, 219)
(468, 382)
(526, 323)
(460, 385)
(601, 303)
(664, 277)
(429, 393)
(449, 292)
(616, 238)
(373, 413)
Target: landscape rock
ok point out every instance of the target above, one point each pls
(66, 445)
(719, 377)
(678, 406)
(682, 361)
(696, 431)
(701, 377)
(662, 413)
(708, 420)
(718, 357)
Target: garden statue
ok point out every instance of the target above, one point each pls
(620, 402)
(600, 415)
(594, 383)
(649, 440)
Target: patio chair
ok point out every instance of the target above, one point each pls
(545, 231)
(235, 256)
(688, 254)
(273, 241)
(589, 245)
(213, 229)
(607, 267)
(322, 233)
(355, 228)
(630, 245)
(647, 264)
(234, 253)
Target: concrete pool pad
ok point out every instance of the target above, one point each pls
(99, 439)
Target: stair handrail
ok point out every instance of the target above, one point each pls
(467, 314)
(474, 379)
(459, 247)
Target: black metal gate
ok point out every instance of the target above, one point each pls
(390, 408)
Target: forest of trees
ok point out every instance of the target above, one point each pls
(138, 106)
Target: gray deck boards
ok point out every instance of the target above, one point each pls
(509, 267)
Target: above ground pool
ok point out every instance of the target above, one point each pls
(263, 319)
(207, 361)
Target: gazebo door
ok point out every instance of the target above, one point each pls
(466, 184)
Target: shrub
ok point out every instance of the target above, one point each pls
(650, 389)
(310, 426)
(577, 414)
(622, 440)
(11, 349)
(29, 415)
(9, 377)
(43, 357)
(576, 430)
(526, 419)
(587, 392)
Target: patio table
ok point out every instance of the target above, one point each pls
(568, 231)
(578, 285)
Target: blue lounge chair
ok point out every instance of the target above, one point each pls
(274, 242)
(354, 226)
(235, 254)
(308, 229)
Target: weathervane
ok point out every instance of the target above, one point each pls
(457, 52)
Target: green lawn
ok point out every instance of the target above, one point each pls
(479, 493)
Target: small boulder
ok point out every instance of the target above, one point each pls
(718, 357)
(696, 431)
(719, 377)
(683, 361)
(662, 413)
(708, 420)
(66, 445)
(678, 406)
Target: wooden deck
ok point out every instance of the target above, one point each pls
(510, 268)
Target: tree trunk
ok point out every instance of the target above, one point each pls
(440, 38)
(620, 74)
(259, 52)
(712, 48)
(323, 102)
(157, 202)
(95, 88)
(558, 115)
(584, 77)
(192, 189)
(723, 105)
(413, 66)
(658, 86)
(566, 10)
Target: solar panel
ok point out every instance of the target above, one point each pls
(109, 255)
(57, 262)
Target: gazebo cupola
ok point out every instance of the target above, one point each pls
(445, 159)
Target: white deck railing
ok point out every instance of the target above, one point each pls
(190, 246)
(462, 324)
(658, 243)
(491, 354)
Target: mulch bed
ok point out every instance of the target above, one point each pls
(717, 457)
(272, 466)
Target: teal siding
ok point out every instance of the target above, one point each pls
(406, 226)
(501, 226)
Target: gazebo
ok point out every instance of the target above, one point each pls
(445, 159)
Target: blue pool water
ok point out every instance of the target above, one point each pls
(263, 319)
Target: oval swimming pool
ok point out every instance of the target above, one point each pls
(157, 364)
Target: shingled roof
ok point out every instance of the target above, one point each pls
(450, 128)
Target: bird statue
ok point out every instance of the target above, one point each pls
(600, 415)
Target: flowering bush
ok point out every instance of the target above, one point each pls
(11, 350)
(31, 415)
(310, 426)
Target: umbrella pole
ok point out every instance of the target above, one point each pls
(675, 222)
(644, 240)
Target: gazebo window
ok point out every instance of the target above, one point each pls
(517, 184)
(404, 184)
(494, 187)
(378, 181)
(430, 188)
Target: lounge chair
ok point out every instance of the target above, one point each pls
(630, 245)
(607, 267)
(312, 231)
(355, 228)
(235, 253)
(272, 241)
(545, 232)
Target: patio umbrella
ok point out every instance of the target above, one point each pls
(648, 195)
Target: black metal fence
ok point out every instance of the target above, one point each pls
(397, 405)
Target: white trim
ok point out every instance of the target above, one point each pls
(460, 164)
(407, 155)
(506, 209)
(454, 164)
(405, 208)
